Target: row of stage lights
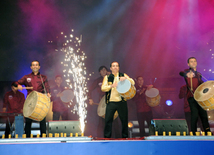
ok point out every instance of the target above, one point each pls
(82, 134)
(49, 135)
(184, 133)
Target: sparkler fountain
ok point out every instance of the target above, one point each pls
(74, 71)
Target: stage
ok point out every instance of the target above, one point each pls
(162, 145)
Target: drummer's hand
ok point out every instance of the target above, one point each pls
(149, 87)
(59, 94)
(4, 109)
(123, 78)
(19, 87)
(49, 95)
(91, 102)
(190, 74)
(114, 85)
(142, 91)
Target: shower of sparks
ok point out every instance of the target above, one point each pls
(74, 71)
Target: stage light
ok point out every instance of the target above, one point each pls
(169, 102)
(130, 124)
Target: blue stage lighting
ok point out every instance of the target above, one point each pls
(169, 102)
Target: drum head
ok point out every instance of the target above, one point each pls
(30, 104)
(205, 91)
(123, 86)
(153, 92)
(101, 110)
(67, 96)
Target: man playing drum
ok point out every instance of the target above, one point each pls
(114, 101)
(35, 80)
(13, 103)
(144, 111)
(59, 109)
(96, 85)
(193, 80)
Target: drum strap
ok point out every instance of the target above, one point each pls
(43, 84)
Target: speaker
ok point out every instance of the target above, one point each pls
(168, 125)
(64, 127)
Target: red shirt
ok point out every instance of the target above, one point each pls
(97, 85)
(14, 101)
(140, 100)
(183, 94)
(196, 81)
(35, 81)
(58, 105)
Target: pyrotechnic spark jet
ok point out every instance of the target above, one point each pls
(75, 74)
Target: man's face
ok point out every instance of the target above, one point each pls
(192, 63)
(35, 66)
(58, 80)
(13, 89)
(115, 67)
(103, 72)
(140, 81)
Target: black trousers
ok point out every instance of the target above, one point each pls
(122, 109)
(142, 117)
(9, 123)
(28, 123)
(196, 111)
(188, 119)
(63, 114)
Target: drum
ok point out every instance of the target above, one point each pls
(101, 110)
(126, 89)
(204, 95)
(36, 106)
(67, 96)
(152, 97)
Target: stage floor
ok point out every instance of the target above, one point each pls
(163, 145)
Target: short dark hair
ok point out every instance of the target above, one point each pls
(58, 76)
(116, 62)
(34, 61)
(101, 67)
(138, 77)
(14, 84)
(191, 58)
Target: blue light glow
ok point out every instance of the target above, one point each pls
(169, 102)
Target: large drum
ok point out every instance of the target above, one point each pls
(152, 97)
(126, 89)
(101, 110)
(67, 95)
(36, 106)
(204, 95)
